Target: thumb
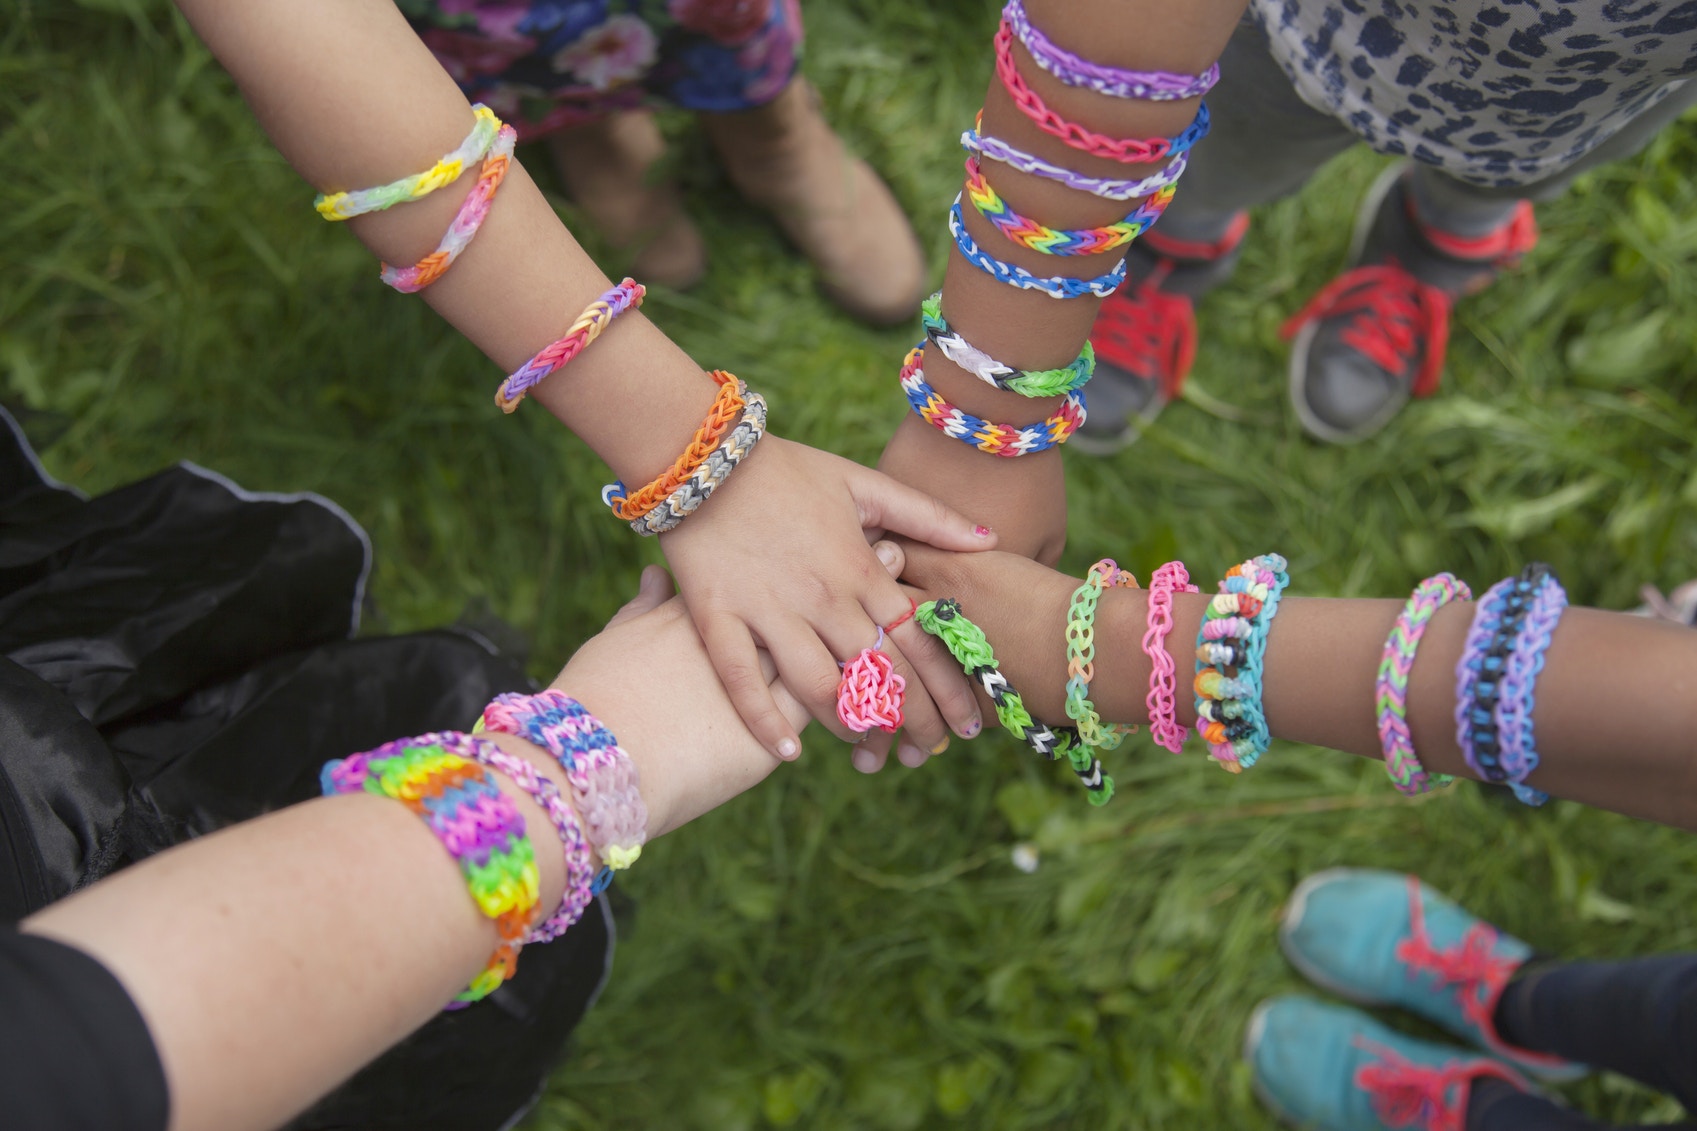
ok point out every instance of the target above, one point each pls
(655, 589)
(893, 557)
(888, 505)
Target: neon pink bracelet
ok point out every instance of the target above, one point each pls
(1125, 150)
(1163, 709)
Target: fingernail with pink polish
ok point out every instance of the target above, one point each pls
(982, 531)
(972, 727)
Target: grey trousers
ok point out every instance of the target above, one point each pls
(1266, 142)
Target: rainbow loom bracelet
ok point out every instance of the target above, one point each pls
(346, 205)
(1081, 656)
(967, 644)
(601, 774)
(1129, 151)
(711, 472)
(994, 439)
(596, 317)
(1483, 663)
(472, 212)
(1152, 86)
(1517, 702)
(1060, 241)
(1025, 382)
(1229, 716)
(1163, 709)
(1055, 286)
(995, 149)
(1391, 687)
(481, 827)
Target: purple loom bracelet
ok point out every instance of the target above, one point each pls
(1487, 614)
(1519, 754)
(996, 149)
(1155, 86)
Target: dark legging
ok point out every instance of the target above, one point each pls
(1637, 1017)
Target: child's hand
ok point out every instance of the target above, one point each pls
(780, 559)
(1025, 499)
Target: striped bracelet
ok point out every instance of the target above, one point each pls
(1060, 241)
(1025, 382)
(993, 439)
(338, 206)
(1055, 286)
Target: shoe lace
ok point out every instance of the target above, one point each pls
(1394, 314)
(1471, 965)
(1406, 1094)
(1150, 332)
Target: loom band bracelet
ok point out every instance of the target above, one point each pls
(1025, 382)
(337, 206)
(1277, 567)
(711, 474)
(1479, 633)
(870, 693)
(727, 407)
(1115, 82)
(1130, 151)
(992, 439)
(1221, 654)
(1055, 286)
(1518, 701)
(995, 149)
(1223, 621)
(1161, 700)
(1509, 606)
(1028, 233)
(595, 319)
(1390, 687)
(472, 212)
(1081, 656)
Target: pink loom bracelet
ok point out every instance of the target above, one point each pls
(1163, 709)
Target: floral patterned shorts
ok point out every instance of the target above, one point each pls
(545, 65)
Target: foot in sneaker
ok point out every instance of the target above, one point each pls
(1145, 332)
(1384, 938)
(1376, 335)
(1326, 1066)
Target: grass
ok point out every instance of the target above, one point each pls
(831, 951)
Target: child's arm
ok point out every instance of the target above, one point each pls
(1025, 497)
(1616, 702)
(352, 98)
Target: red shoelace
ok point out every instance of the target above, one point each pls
(1396, 317)
(1406, 1094)
(1148, 332)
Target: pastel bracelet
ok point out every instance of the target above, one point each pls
(1081, 656)
(1153, 86)
(602, 776)
(1056, 286)
(711, 472)
(1130, 151)
(995, 149)
(1483, 663)
(1229, 715)
(993, 439)
(435, 776)
(1391, 687)
(726, 407)
(346, 205)
(596, 317)
(1025, 382)
(1163, 708)
(580, 864)
(1517, 701)
(967, 644)
(1060, 241)
(472, 212)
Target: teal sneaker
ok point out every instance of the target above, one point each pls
(1320, 1065)
(1385, 938)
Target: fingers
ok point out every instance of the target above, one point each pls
(949, 687)
(737, 663)
(893, 557)
(888, 505)
(654, 590)
(808, 667)
(871, 751)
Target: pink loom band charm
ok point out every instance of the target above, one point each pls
(871, 694)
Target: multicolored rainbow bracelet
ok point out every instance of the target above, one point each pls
(580, 861)
(992, 439)
(1517, 701)
(601, 774)
(967, 644)
(995, 149)
(472, 212)
(1391, 687)
(1055, 286)
(1482, 665)
(727, 406)
(1130, 151)
(1229, 716)
(1060, 241)
(338, 206)
(1163, 709)
(596, 317)
(436, 777)
(711, 472)
(1081, 656)
(1025, 382)
(1153, 86)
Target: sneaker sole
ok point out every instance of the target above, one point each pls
(1311, 423)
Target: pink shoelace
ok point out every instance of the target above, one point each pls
(1471, 965)
(1406, 1094)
